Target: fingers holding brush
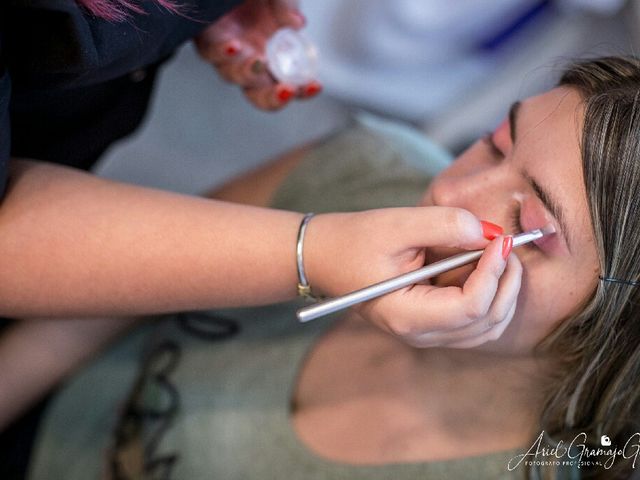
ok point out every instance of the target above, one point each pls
(501, 312)
(465, 316)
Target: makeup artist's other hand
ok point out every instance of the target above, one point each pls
(348, 251)
(235, 46)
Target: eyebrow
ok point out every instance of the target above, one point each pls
(548, 200)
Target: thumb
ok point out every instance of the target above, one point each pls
(450, 227)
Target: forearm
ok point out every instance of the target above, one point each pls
(36, 354)
(72, 244)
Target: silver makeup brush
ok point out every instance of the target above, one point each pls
(332, 305)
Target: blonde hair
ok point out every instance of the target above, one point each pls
(596, 387)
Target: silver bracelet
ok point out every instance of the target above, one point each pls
(304, 289)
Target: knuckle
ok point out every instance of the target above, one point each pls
(476, 309)
(505, 316)
(455, 218)
(460, 221)
(403, 329)
(495, 334)
(512, 311)
(516, 265)
(494, 320)
(497, 269)
(502, 314)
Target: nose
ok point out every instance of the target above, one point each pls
(471, 189)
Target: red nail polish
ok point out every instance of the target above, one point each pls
(507, 245)
(231, 49)
(312, 89)
(491, 230)
(285, 94)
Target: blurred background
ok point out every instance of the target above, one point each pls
(449, 67)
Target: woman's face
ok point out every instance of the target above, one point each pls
(528, 173)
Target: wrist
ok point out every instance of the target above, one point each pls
(319, 257)
(304, 287)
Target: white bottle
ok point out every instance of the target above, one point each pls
(292, 58)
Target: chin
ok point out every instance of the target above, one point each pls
(512, 343)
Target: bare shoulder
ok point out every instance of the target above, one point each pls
(258, 186)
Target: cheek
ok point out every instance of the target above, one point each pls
(549, 296)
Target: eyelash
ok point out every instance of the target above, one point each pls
(516, 227)
(487, 139)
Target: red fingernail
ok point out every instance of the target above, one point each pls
(285, 94)
(507, 245)
(491, 230)
(231, 49)
(312, 89)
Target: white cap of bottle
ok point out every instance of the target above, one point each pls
(291, 57)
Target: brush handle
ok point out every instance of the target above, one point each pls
(387, 286)
(336, 304)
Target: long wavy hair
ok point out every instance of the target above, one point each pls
(119, 10)
(597, 386)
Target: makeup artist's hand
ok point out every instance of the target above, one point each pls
(348, 251)
(235, 46)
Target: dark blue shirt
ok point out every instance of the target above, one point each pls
(71, 84)
(5, 125)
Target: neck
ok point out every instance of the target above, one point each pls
(473, 392)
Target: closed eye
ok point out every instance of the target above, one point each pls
(516, 226)
(514, 214)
